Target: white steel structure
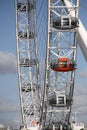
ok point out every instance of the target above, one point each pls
(62, 43)
(65, 30)
(82, 38)
(28, 69)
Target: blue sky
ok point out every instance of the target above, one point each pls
(9, 92)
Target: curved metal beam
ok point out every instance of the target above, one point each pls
(82, 33)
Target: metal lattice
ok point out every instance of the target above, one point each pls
(62, 43)
(28, 69)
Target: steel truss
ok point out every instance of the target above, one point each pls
(62, 42)
(28, 69)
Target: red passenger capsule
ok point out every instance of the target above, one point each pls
(63, 65)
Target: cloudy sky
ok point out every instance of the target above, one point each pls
(9, 92)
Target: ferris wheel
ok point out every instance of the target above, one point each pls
(65, 31)
(60, 63)
(28, 66)
(63, 35)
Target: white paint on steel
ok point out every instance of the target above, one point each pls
(82, 33)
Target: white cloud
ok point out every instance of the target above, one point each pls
(7, 105)
(83, 73)
(9, 111)
(8, 63)
(80, 102)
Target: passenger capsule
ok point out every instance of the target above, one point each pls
(63, 65)
(25, 62)
(25, 35)
(64, 23)
(24, 7)
(57, 126)
(60, 99)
